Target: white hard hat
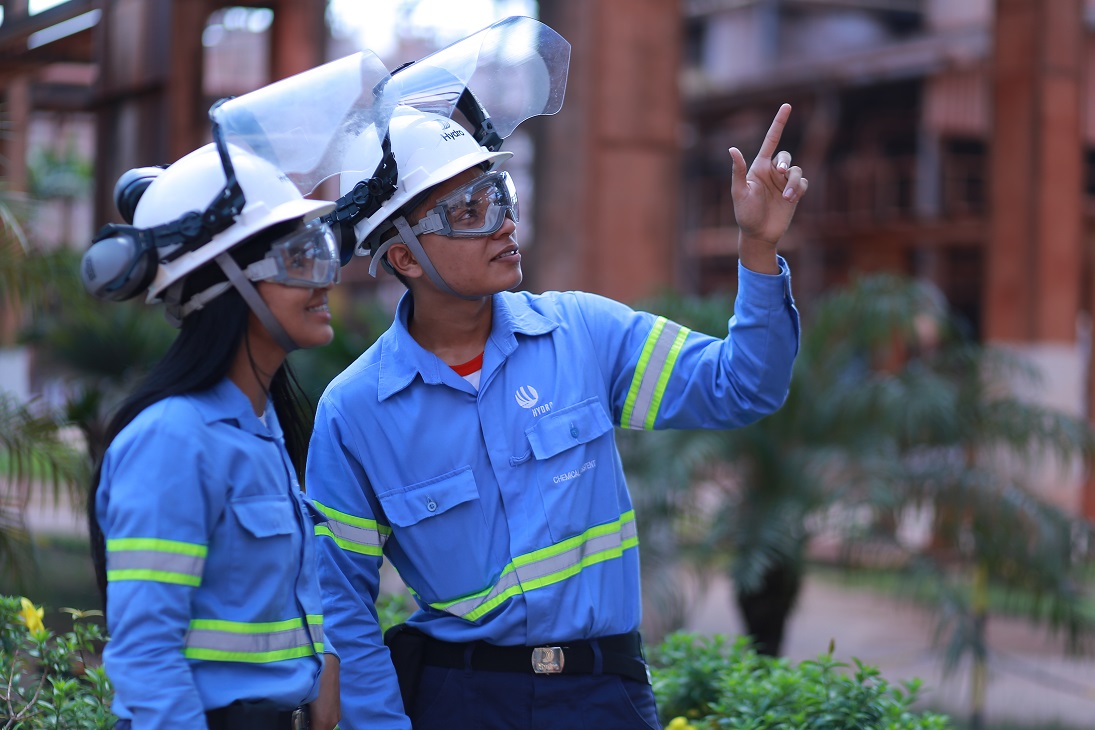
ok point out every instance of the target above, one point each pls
(428, 149)
(192, 183)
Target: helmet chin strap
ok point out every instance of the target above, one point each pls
(411, 241)
(250, 295)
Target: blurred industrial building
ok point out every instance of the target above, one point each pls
(952, 141)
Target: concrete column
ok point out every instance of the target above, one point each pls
(1034, 253)
(608, 164)
(297, 37)
(150, 108)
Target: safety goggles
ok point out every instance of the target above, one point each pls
(307, 257)
(473, 210)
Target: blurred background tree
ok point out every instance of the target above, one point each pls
(893, 412)
(33, 450)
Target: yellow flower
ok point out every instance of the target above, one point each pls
(32, 616)
(679, 723)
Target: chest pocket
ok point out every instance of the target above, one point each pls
(265, 544)
(265, 516)
(564, 429)
(437, 524)
(574, 468)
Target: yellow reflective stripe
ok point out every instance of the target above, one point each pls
(353, 534)
(254, 643)
(663, 377)
(244, 627)
(548, 566)
(152, 543)
(157, 576)
(152, 559)
(640, 368)
(659, 355)
(348, 545)
(349, 519)
(248, 657)
(553, 578)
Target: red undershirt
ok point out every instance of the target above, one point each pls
(469, 371)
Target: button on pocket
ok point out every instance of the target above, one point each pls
(410, 505)
(558, 431)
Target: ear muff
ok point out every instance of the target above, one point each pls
(120, 264)
(130, 187)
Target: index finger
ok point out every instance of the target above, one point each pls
(771, 139)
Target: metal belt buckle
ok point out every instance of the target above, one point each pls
(300, 719)
(548, 659)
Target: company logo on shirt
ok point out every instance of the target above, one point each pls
(527, 396)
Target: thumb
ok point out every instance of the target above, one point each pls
(738, 171)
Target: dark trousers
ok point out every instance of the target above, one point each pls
(482, 700)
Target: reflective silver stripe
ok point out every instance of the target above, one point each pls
(649, 374)
(352, 533)
(154, 560)
(357, 535)
(229, 641)
(315, 630)
(559, 562)
(254, 643)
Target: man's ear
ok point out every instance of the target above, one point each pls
(403, 261)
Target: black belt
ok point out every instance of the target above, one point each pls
(621, 655)
(241, 716)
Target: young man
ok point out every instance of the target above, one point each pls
(473, 445)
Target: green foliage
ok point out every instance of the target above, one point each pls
(47, 680)
(355, 330)
(891, 408)
(394, 608)
(59, 173)
(711, 683)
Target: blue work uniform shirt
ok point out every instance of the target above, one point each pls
(212, 592)
(505, 508)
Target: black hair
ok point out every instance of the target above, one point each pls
(199, 358)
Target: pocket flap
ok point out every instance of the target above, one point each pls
(410, 505)
(566, 428)
(265, 516)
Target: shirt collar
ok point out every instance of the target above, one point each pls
(402, 358)
(226, 402)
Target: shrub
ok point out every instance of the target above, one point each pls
(706, 682)
(46, 679)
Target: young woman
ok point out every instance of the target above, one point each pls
(202, 537)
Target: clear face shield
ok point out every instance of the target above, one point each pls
(495, 78)
(306, 258)
(303, 125)
(515, 69)
(476, 209)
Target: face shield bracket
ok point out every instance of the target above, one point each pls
(366, 198)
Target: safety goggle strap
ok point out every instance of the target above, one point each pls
(412, 243)
(255, 302)
(430, 223)
(264, 268)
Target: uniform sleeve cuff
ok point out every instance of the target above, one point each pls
(766, 290)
